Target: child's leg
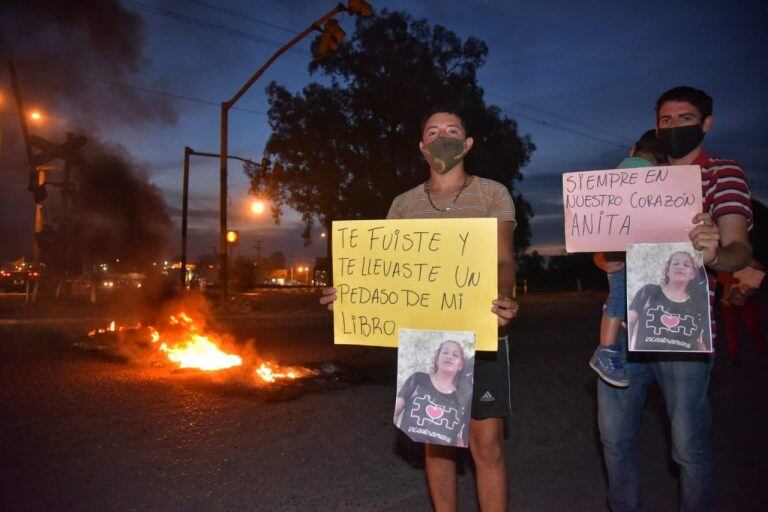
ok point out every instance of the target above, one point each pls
(606, 360)
(609, 329)
(615, 307)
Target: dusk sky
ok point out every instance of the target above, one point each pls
(580, 77)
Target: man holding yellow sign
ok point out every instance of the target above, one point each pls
(451, 193)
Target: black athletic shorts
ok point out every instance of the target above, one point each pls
(491, 389)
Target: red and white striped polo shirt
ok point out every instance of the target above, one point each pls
(725, 192)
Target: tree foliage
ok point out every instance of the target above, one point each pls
(243, 274)
(348, 147)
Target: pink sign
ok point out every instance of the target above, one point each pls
(608, 210)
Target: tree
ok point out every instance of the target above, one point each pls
(243, 274)
(348, 148)
(566, 268)
(204, 260)
(276, 260)
(530, 264)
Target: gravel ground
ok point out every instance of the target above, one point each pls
(85, 432)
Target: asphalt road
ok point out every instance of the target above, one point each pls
(84, 432)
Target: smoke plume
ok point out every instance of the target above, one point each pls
(66, 52)
(122, 214)
(69, 50)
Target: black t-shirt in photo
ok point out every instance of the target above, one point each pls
(663, 324)
(430, 416)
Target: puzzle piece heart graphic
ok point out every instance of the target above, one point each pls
(434, 412)
(670, 321)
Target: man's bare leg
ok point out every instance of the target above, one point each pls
(441, 476)
(486, 442)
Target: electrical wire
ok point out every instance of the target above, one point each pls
(241, 15)
(212, 26)
(135, 88)
(561, 117)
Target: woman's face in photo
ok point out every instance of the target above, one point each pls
(681, 268)
(450, 358)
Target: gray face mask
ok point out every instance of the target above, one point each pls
(445, 153)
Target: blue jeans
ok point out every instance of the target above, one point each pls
(683, 379)
(616, 305)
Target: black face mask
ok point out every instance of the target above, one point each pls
(681, 140)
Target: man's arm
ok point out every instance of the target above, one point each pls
(506, 240)
(725, 244)
(504, 307)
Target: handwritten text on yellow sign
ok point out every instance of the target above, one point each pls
(414, 274)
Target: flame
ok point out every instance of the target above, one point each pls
(200, 352)
(186, 343)
(267, 373)
(112, 327)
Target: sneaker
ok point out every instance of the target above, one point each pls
(608, 366)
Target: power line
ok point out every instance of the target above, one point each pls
(530, 118)
(561, 117)
(231, 31)
(240, 15)
(138, 88)
(212, 26)
(566, 129)
(238, 33)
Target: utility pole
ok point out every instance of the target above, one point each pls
(66, 194)
(184, 211)
(257, 246)
(331, 35)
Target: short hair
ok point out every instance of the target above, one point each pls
(442, 110)
(649, 144)
(695, 97)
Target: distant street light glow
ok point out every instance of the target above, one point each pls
(35, 115)
(258, 207)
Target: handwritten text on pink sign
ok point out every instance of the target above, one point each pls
(607, 210)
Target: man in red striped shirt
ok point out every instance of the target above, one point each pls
(683, 117)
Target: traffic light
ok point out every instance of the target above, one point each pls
(232, 236)
(359, 7)
(329, 39)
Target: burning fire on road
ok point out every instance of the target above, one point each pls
(185, 343)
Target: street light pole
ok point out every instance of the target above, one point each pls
(185, 202)
(223, 249)
(225, 106)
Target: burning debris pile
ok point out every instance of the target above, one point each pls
(182, 342)
(185, 344)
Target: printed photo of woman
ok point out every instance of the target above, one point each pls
(431, 406)
(673, 313)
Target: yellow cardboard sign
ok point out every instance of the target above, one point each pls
(436, 274)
